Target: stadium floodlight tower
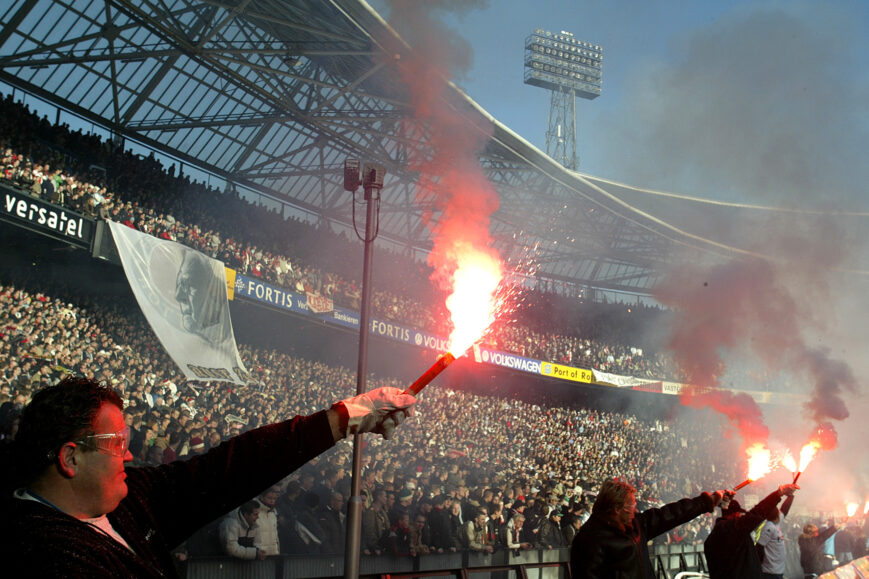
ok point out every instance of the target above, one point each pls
(569, 68)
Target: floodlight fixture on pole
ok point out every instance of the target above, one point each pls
(351, 175)
(372, 182)
(372, 177)
(569, 68)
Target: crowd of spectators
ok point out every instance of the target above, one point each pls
(457, 445)
(86, 174)
(532, 469)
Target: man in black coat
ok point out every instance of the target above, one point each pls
(843, 546)
(811, 544)
(612, 543)
(571, 529)
(730, 548)
(439, 520)
(550, 535)
(331, 520)
(78, 512)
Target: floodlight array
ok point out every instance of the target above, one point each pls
(559, 61)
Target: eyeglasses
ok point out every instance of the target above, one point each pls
(115, 444)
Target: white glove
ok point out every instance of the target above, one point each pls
(378, 411)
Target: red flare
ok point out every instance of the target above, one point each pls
(430, 374)
(744, 483)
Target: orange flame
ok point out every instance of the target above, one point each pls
(807, 453)
(473, 303)
(852, 509)
(758, 461)
(789, 462)
(866, 507)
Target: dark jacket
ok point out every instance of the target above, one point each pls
(601, 550)
(843, 542)
(811, 549)
(550, 536)
(399, 541)
(288, 535)
(439, 519)
(569, 532)
(164, 505)
(310, 531)
(457, 535)
(730, 550)
(497, 529)
(332, 523)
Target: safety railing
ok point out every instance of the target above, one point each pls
(548, 564)
(668, 561)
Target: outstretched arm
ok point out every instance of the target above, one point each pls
(660, 520)
(786, 506)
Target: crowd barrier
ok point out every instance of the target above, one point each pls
(858, 569)
(549, 564)
(668, 561)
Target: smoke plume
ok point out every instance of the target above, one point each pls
(746, 309)
(448, 166)
(831, 379)
(732, 113)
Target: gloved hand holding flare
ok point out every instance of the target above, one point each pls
(378, 411)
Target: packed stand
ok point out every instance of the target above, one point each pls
(460, 456)
(83, 173)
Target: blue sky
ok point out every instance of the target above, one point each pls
(737, 100)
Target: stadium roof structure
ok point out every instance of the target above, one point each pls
(274, 95)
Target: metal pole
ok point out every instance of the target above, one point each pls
(352, 546)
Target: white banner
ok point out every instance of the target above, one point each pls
(617, 380)
(182, 293)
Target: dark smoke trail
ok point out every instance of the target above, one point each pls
(747, 307)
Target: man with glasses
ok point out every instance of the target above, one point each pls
(78, 512)
(613, 541)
